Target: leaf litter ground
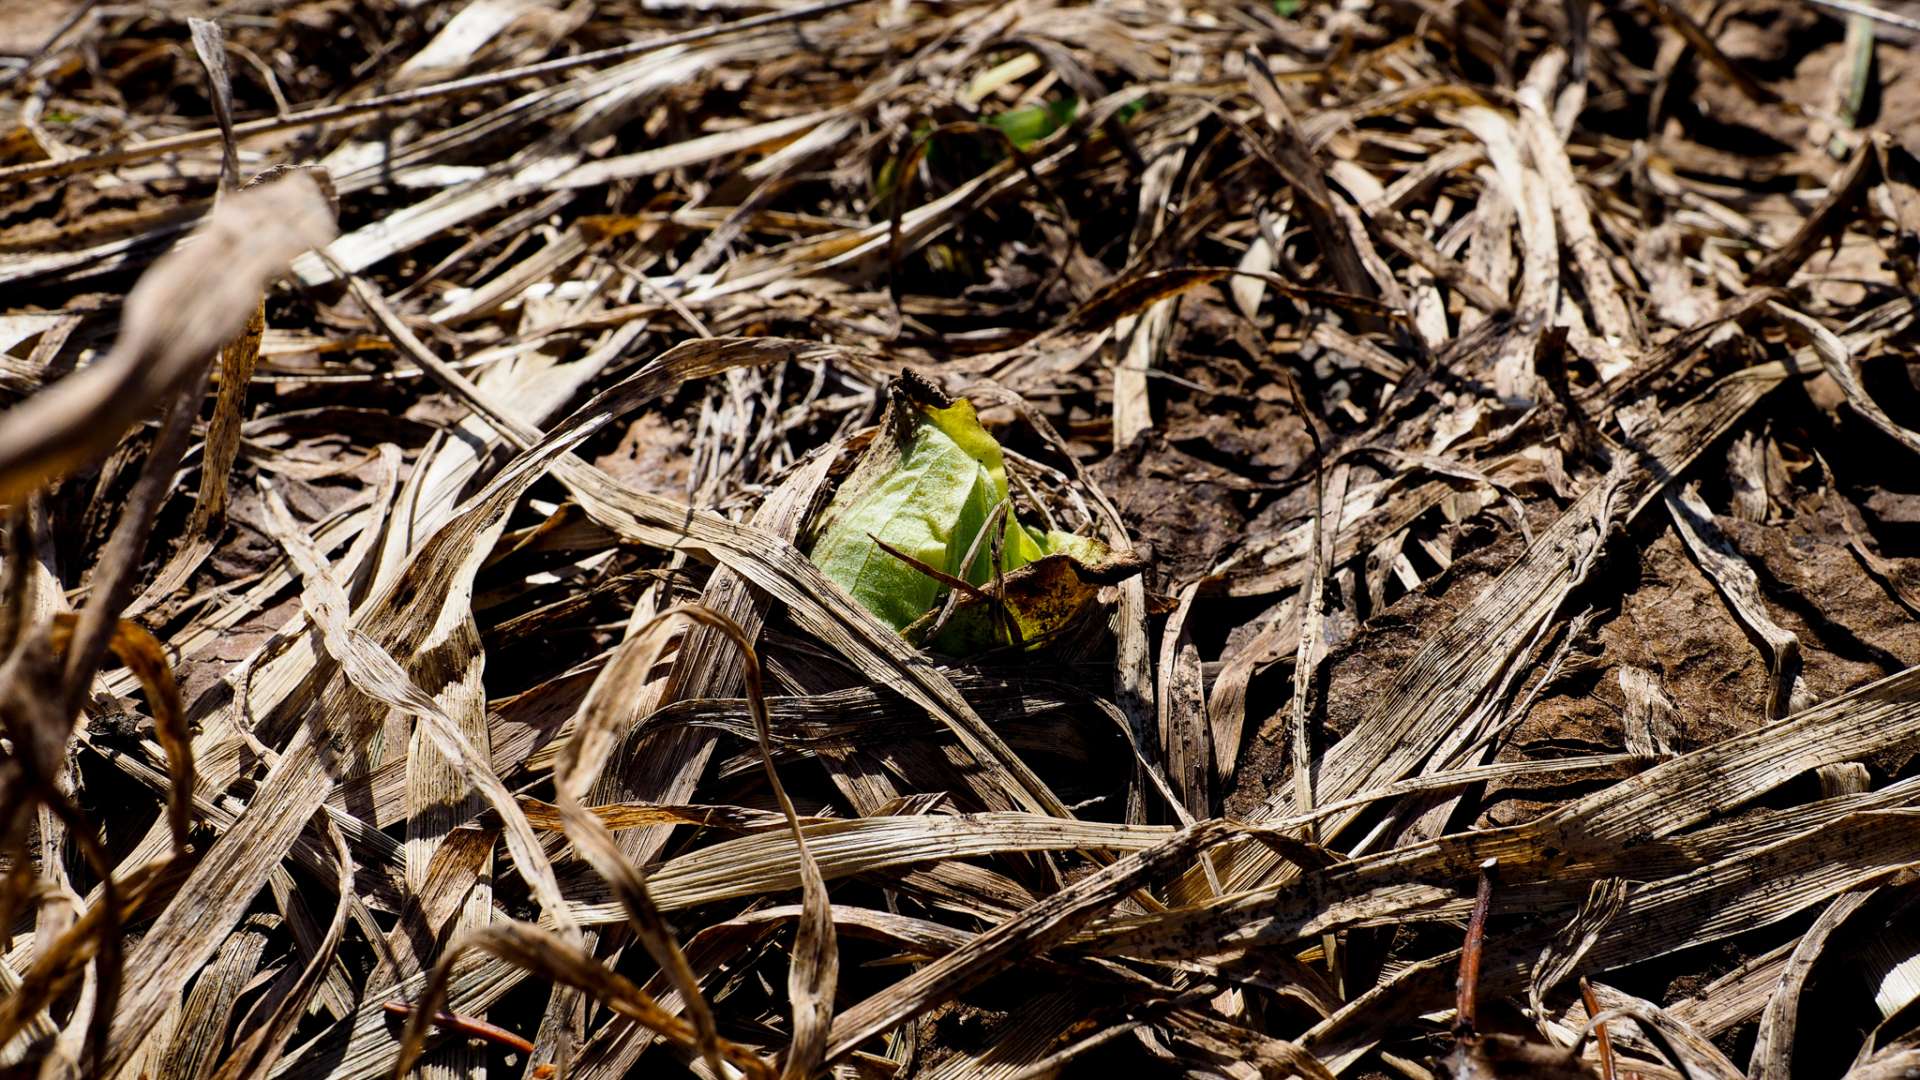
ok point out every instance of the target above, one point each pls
(412, 658)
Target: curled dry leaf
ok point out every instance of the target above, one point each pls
(189, 304)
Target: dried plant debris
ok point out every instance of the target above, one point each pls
(957, 539)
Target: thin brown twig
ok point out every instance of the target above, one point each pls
(1600, 1037)
(465, 1025)
(1467, 1005)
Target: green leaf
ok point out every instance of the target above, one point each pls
(926, 487)
(1027, 126)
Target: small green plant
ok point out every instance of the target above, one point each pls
(1029, 125)
(925, 512)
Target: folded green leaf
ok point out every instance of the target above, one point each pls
(923, 491)
(1035, 122)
